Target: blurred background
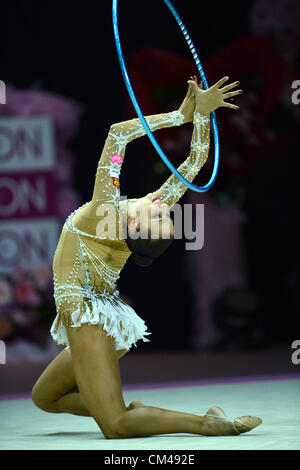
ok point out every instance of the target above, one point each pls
(231, 308)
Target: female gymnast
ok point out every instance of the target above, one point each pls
(94, 324)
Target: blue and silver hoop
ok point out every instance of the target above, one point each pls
(140, 114)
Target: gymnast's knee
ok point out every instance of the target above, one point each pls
(40, 402)
(109, 429)
(122, 426)
(112, 428)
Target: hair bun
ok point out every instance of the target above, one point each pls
(142, 260)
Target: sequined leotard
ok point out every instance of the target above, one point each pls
(87, 265)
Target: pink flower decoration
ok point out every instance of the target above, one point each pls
(116, 159)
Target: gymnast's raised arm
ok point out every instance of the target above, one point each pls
(106, 188)
(207, 101)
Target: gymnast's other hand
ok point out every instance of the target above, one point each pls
(213, 98)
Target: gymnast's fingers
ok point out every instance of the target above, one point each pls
(232, 93)
(229, 105)
(194, 78)
(220, 82)
(229, 87)
(192, 84)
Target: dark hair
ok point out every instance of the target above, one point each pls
(144, 251)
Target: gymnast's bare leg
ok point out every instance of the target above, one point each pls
(56, 390)
(100, 393)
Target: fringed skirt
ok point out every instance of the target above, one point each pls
(118, 319)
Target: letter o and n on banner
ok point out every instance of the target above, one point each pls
(29, 227)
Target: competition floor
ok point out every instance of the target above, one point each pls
(273, 398)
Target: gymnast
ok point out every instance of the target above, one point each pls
(92, 321)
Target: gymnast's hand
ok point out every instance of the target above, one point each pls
(213, 98)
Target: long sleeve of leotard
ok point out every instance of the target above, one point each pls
(172, 190)
(106, 188)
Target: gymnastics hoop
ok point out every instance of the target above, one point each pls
(140, 114)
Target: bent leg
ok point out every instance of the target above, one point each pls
(56, 390)
(57, 383)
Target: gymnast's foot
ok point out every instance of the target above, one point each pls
(135, 404)
(216, 423)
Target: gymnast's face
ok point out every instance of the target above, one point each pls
(149, 213)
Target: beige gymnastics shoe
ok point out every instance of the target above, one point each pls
(216, 423)
(246, 423)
